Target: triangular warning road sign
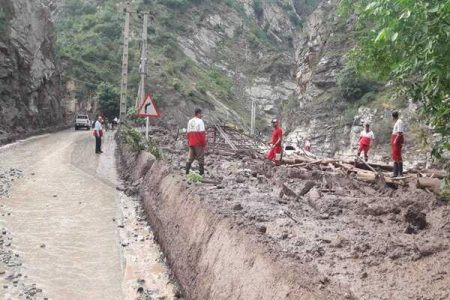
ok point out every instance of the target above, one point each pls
(148, 107)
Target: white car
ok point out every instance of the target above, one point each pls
(82, 120)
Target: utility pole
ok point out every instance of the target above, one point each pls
(253, 112)
(124, 82)
(143, 64)
(253, 116)
(143, 70)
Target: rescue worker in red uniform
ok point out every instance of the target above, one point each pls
(307, 146)
(275, 151)
(365, 139)
(196, 136)
(397, 140)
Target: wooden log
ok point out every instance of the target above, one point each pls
(303, 159)
(371, 177)
(434, 173)
(289, 161)
(297, 165)
(433, 184)
(346, 166)
(360, 164)
(367, 177)
(328, 161)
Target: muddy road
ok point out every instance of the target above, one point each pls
(67, 230)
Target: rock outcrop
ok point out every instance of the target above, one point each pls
(321, 114)
(317, 113)
(30, 88)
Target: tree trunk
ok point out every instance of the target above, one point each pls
(433, 184)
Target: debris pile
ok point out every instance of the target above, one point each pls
(335, 215)
(430, 180)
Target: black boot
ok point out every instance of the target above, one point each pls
(188, 167)
(400, 168)
(201, 169)
(396, 169)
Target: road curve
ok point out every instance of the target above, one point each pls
(60, 216)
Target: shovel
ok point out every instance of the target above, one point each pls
(380, 176)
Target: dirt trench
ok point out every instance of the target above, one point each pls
(261, 232)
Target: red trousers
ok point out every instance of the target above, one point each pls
(396, 147)
(272, 154)
(364, 148)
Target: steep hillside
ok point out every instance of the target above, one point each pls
(333, 101)
(290, 57)
(30, 90)
(219, 55)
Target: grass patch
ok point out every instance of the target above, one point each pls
(133, 138)
(194, 177)
(153, 148)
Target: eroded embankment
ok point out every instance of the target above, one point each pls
(211, 256)
(256, 231)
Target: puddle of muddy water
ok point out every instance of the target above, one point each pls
(145, 272)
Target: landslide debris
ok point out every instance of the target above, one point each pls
(354, 232)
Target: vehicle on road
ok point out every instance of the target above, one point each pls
(82, 121)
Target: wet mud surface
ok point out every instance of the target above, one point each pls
(376, 243)
(67, 232)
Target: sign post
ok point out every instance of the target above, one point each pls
(147, 122)
(148, 110)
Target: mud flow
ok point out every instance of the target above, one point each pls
(68, 230)
(366, 241)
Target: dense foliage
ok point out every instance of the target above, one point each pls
(352, 86)
(108, 100)
(89, 39)
(407, 42)
(90, 48)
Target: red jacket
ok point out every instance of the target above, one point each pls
(196, 133)
(366, 138)
(277, 134)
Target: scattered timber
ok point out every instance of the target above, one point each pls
(371, 172)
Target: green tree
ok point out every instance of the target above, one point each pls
(352, 86)
(88, 41)
(408, 42)
(3, 21)
(108, 100)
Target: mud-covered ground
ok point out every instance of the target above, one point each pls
(380, 243)
(67, 229)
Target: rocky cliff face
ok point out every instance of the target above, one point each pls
(30, 90)
(321, 114)
(316, 115)
(230, 55)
